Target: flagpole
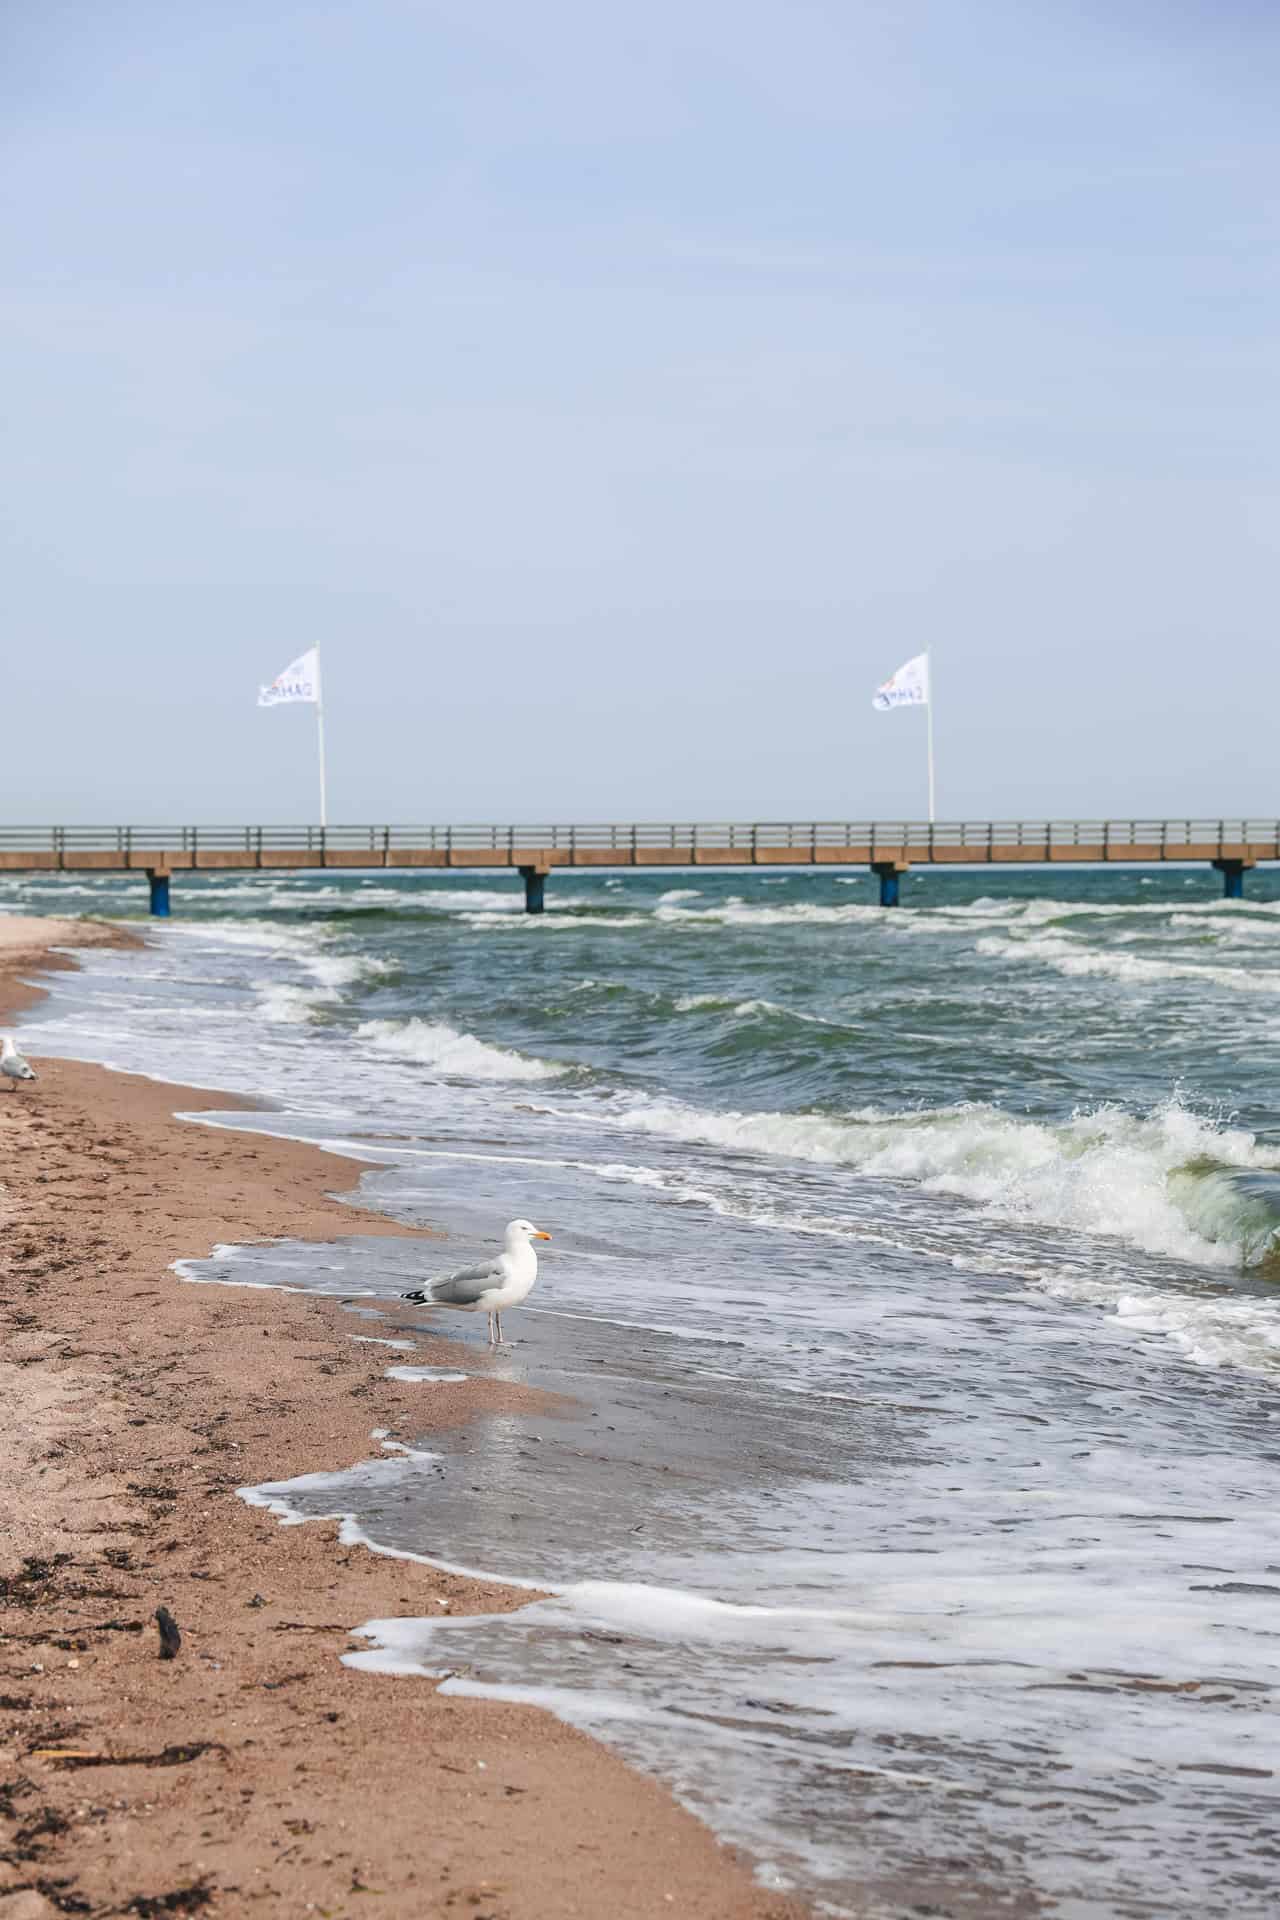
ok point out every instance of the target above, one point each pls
(320, 740)
(928, 654)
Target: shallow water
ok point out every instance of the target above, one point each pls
(913, 1274)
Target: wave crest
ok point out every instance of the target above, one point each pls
(432, 1043)
(1169, 1182)
(1066, 957)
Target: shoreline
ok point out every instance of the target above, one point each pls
(133, 1406)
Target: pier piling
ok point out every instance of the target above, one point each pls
(159, 883)
(1233, 872)
(535, 883)
(890, 874)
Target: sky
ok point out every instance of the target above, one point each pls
(618, 394)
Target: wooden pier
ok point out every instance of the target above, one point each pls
(889, 848)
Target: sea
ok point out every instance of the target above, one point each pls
(913, 1505)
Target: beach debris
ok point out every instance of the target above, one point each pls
(179, 1756)
(31, 1840)
(16, 1589)
(12, 1064)
(257, 1601)
(170, 1638)
(150, 1906)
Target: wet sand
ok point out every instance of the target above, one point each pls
(252, 1773)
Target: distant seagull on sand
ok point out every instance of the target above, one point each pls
(490, 1285)
(12, 1064)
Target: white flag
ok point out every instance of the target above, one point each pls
(908, 687)
(299, 681)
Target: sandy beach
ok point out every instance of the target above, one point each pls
(251, 1773)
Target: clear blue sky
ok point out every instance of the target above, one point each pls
(618, 393)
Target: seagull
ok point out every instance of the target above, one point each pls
(491, 1285)
(12, 1064)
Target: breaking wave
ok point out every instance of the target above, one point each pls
(347, 969)
(1072, 960)
(1170, 1182)
(736, 912)
(290, 1006)
(432, 1043)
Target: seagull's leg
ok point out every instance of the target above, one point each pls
(498, 1318)
(492, 1341)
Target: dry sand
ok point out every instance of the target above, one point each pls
(253, 1773)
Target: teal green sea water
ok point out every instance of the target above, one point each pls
(925, 1267)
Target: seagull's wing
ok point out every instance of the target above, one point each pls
(464, 1288)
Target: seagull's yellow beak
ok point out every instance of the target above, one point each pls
(542, 1236)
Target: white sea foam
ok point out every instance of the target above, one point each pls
(1016, 915)
(1227, 930)
(464, 899)
(339, 1496)
(1214, 1329)
(605, 922)
(309, 947)
(628, 1607)
(579, 1706)
(1072, 959)
(440, 1374)
(262, 936)
(673, 1613)
(743, 1009)
(432, 1043)
(1036, 912)
(737, 913)
(342, 1495)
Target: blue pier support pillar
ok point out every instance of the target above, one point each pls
(535, 882)
(159, 883)
(890, 874)
(1233, 872)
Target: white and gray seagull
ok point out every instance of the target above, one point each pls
(491, 1285)
(12, 1064)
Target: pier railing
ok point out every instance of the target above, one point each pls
(1151, 839)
